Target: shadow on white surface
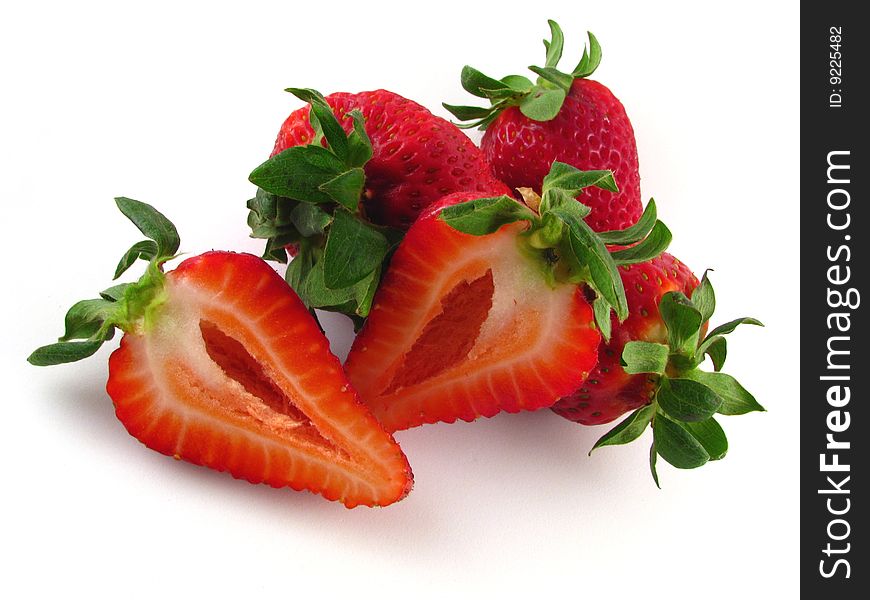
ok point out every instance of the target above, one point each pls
(461, 470)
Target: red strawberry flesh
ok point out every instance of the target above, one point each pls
(230, 371)
(492, 333)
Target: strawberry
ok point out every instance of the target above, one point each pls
(561, 116)
(609, 392)
(481, 311)
(347, 175)
(221, 365)
(651, 364)
(417, 157)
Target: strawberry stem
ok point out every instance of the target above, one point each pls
(560, 240)
(129, 307)
(539, 101)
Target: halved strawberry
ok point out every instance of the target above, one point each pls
(481, 311)
(222, 365)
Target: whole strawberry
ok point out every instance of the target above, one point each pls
(561, 116)
(651, 364)
(417, 157)
(348, 174)
(610, 392)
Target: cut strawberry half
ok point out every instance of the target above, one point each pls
(222, 365)
(481, 311)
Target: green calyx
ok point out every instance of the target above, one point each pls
(560, 240)
(310, 196)
(686, 398)
(127, 306)
(539, 100)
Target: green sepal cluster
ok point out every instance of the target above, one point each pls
(686, 399)
(309, 196)
(539, 100)
(89, 323)
(568, 250)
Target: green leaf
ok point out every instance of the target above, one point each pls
(601, 310)
(346, 188)
(654, 244)
(710, 434)
(484, 216)
(675, 444)
(269, 215)
(589, 251)
(518, 83)
(85, 318)
(467, 113)
(484, 123)
(629, 429)
(717, 348)
(353, 250)
(558, 198)
(645, 357)
(504, 96)
(146, 250)
(554, 76)
(542, 104)
(354, 300)
(299, 269)
(652, 464)
(555, 45)
(116, 292)
(359, 145)
(298, 173)
(310, 219)
(573, 180)
(590, 60)
(152, 223)
(326, 122)
(477, 84)
(636, 232)
(736, 400)
(63, 352)
(683, 321)
(704, 298)
(275, 250)
(732, 325)
(687, 399)
(365, 292)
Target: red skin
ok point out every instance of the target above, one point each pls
(590, 132)
(306, 429)
(418, 157)
(518, 344)
(610, 391)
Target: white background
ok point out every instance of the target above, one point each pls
(175, 104)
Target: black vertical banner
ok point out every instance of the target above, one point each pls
(835, 433)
